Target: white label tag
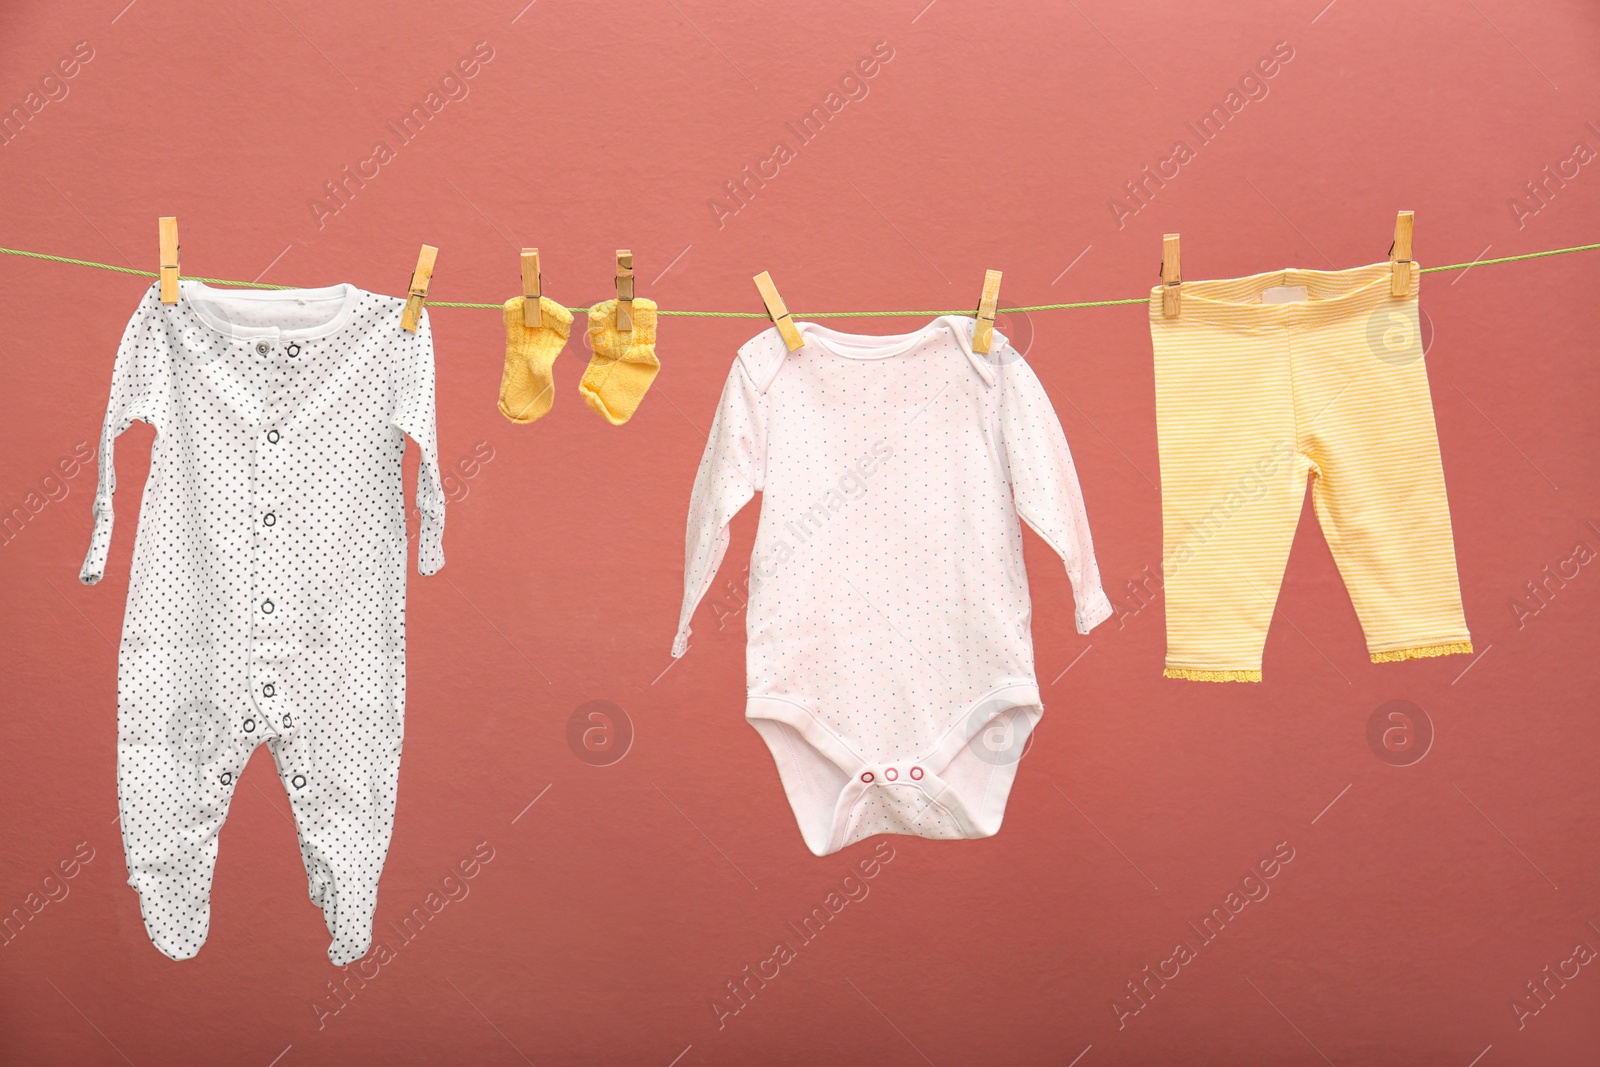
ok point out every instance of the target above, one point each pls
(1285, 294)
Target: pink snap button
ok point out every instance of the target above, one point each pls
(916, 774)
(866, 776)
(891, 774)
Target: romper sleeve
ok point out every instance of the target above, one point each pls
(1044, 482)
(732, 471)
(414, 414)
(138, 392)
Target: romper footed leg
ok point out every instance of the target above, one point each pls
(176, 773)
(342, 780)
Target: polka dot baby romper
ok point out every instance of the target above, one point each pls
(266, 601)
(890, 657)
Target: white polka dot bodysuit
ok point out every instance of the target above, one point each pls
(890, 658)
(266, 601)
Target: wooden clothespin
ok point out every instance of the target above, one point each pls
(624, 290)
(1171, 276)
(1400, 254)
(531, 288)
(983, 333)
(421, 278)
(168, 228)
(779, 311)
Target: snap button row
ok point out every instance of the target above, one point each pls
(892, 774)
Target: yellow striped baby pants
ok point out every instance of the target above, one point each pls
(1253, 396)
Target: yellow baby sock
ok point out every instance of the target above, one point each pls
(624, 363)
(526, 389)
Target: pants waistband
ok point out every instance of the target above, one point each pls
(1331, 295)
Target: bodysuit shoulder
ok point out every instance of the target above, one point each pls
(763, 356)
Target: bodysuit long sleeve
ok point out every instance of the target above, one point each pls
(889, 653)
(730, 474)
(1044, 482)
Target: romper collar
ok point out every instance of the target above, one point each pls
(200, 298)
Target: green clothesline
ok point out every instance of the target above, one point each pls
(760, 314)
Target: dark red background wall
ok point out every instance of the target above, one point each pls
(1423, 895)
